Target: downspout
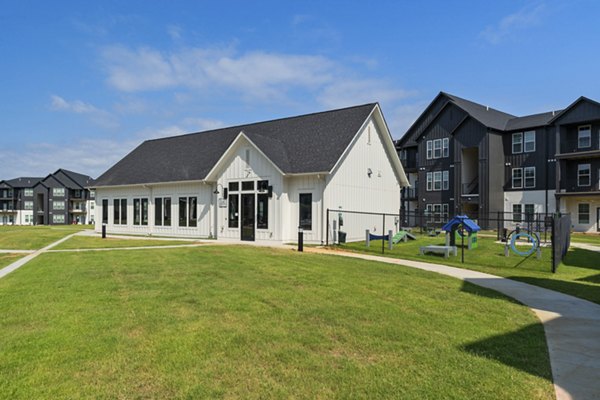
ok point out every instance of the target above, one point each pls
(546, 142)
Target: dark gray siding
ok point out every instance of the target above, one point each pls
(495, 172)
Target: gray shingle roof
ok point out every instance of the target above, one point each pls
(530, 121)
(488, 116)
(303, 144)
(80, 179)
(23, 182)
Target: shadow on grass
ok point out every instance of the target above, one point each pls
(524, 349)
(591, 279)
(582, 258)
(574, 288)
(471, 288)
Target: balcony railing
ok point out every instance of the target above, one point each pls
(471, 188)
(409, 193)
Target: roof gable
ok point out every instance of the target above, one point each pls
(582, 109)
(303, 144)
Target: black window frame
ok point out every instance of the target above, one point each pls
(262, 215)
(192, 212)
(123, 205)
(116, 212)
(247, 186)
(580, 220)
(303, 207)
(183, 211)
(233, 210)
(137, 207)
(105, 211)
(158, 211)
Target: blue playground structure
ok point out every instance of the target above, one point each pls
(463, 226)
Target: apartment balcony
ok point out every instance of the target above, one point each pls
(77, 210)
(409, 193)
(6, 195)
(579, 155)
(5, 211)
(470, 189)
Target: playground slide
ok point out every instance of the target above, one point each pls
(398, 237)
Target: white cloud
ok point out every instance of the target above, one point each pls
(97, 115)
(352, 92)
(174, 31)
(511, 24)
(402, 117)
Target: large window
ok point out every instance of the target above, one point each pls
(529, 173)
(445, 180)
(28, 205)
(28, 192)
(262, 211)
(234, 217)
(429, 149)
(517, 178)
(437, 180)
(120, 211)
(429, 181)
(583, 213)
(158, 211)
(305, 211)
(529, 212)
(58, 218)
(437, 148)
(584, 137)
(58, 192)
(584, 175)
(445, 147)
(58, 205)
(140, 211)
(517, 143)
(104, 211)
(188, 211)
(529, 141)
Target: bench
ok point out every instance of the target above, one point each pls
(445, 250)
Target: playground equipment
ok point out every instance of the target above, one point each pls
(532, 237)
(461, 227)
(401, 236)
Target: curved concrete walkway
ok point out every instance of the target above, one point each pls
(572, 325)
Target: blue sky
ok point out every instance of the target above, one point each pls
(83, 83)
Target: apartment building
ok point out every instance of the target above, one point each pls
(60, 198)
(461, 156)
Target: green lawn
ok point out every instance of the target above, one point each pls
(8, 258)
(245, 322)
(578, 275)
(85, 242)
(34, 237)
(589, 238)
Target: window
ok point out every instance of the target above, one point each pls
(445, 211)
(262, 186)
(583, 175)
(517, 178)
(583, 213)
(137, 211)
(529, 212)
(28, 205)
(517, 210)
(167, 211)
(529, 141)
(58, 192)
(517, 143)
(193, 212)
(248, 185)
(305, 211)
(262, 211)
(437, 180)
(437, 148)
(58, 218)
(104, 211)
(529, 173)
(116, 211)
(234, 186)
(233, 218)
(445, 180)
(429, 150)
(28, 192)
(188, 211)
(58, 205)
(584, 137)
(445, 147)
(429, 181)
(158, 211)
(123, 211)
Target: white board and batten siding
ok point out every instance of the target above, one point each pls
(350, 187)
(205, 209)
(246, 163)
(294, 186)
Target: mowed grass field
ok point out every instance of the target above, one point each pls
(87, 242)
(246, 322)
(34, 237)
(578, 275)
(9, 258)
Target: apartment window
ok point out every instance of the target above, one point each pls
(58, 205)
(437, 180)
(583, 213)
(517, 178)
(262, 186)
(104, 211)
(262, 211)
(28, 205)
(437, 212)
(234, 217)
(429, 150)
(305, 206)
(234, 186)
(584, 137)
(158, 211)
(445, 147)
(583, 175)
(58, 192)
(445, 213)
(517, 209)
(58, 218)
(529, 173)
(445, 180)
(437, 148)
(28, 192)
(429, 181)
(517, 143)
(167, 211)
(529, 212)
(529, 141)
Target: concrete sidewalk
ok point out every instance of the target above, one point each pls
(572, 325)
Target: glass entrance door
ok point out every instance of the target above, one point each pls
(248, 216)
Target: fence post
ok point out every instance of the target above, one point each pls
(382, 240)
(327, 232)
(553, 239)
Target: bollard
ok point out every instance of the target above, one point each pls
(300, 239)
(539, 253)
(103, 231)
(506, 250)
(390, 243)
(367, 238)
